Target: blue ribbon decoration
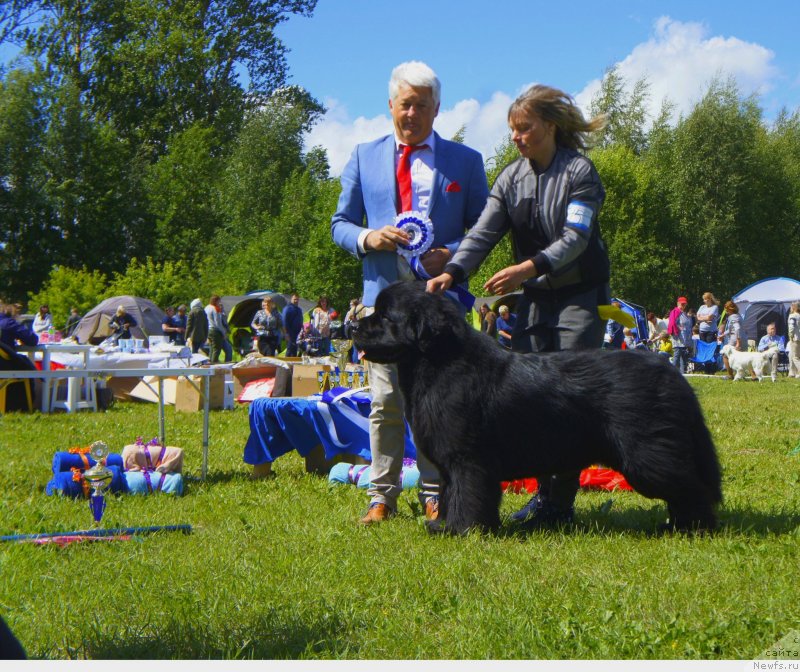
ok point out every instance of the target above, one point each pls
(421, 229)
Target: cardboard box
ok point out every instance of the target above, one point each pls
(244, 374)
(143, 392)
(121, 388)
(305, 379)
(189, 393)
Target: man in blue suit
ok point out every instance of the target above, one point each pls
(413, 169)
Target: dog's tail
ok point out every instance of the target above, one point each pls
(705, 456)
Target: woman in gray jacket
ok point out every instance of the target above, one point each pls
(549, 200)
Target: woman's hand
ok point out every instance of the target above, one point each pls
(510, 278)
(439, 284)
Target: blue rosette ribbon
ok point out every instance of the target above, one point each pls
(420, 230)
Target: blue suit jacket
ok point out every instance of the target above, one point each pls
(369, 191)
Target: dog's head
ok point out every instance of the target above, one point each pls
(726, 350)
(408, 321)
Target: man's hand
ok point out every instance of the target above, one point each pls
(385, 239)
(439, 284)
(434, 261)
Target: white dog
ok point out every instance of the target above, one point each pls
(755, 362)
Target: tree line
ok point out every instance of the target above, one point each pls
(154, 148)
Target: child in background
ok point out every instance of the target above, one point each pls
(665, 346)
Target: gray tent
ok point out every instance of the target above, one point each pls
(93, 327)
(764, 302)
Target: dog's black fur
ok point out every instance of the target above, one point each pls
(483, 414)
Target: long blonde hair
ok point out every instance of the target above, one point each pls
(557, 107)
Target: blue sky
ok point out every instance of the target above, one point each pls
(485, 53)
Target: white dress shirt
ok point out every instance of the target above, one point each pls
(421, 184)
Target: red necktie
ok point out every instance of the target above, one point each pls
(404, 177)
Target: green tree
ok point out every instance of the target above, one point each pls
(68, 287)
(165, 283)
(265, 154)
(324, 267)
(631, 224)
(625, 113)
(155, 67)
(29, 232)
(94, 187)
(183, 194)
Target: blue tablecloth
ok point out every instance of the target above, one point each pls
(340, 423)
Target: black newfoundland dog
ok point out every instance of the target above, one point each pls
(483, 414)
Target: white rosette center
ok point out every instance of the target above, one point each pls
(420, 231)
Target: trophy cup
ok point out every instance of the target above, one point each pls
(99, 478)
(341, 352)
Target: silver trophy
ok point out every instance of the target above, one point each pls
(99, 478)
(341, 352)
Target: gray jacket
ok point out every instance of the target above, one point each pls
(553, 220)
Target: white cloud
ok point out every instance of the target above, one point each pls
(679, 61)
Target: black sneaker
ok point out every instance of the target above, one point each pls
(530, 509)
(539, 513)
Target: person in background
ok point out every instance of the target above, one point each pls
(488, 320)
(43, 321)
(793, 344)
(707, 320)
(321, 318)
(72, 322)
(771, 340)
(629, 338)
(549, 200)
(665, 346)
(122, 323)
(653, 332)
(308, 340)
(506, 321)
(12, 332)
(731, 333)
(680, 328)
(268, 327)
(168, 325)
(217, 329)
(292, 316)
(413, 169)
(179, 323)
(196, 326)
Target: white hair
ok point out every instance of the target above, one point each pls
(414, 73)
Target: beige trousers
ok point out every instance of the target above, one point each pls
(387, 443)
(794, 358)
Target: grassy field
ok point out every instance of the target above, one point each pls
(280, 569)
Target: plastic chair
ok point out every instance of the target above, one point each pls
(7, 382)
(80, 394)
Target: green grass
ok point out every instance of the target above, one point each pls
(281, 569)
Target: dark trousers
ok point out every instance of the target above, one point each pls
(267, 344)
(215, 338)
(291, 346)
(571, 323)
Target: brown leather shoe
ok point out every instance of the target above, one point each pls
(377, 513)
(432, 508)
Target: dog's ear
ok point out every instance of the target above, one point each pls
(434, 324)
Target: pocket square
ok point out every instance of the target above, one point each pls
(453, 187)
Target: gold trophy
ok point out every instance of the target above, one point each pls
(341, 353)
(99, 478)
